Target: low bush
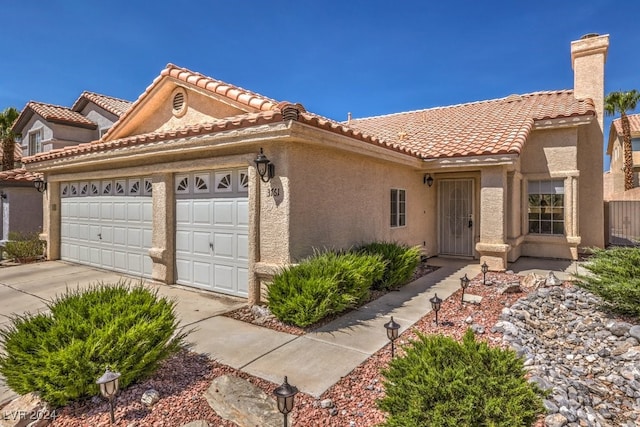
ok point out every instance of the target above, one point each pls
(401, 260)
(324, 284)
(60, 354)
(441, 382)
(615, 276)
(24, 246)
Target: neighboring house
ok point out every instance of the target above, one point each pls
(44, 127)
(172, 191)
(614, 179)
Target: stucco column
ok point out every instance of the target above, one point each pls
(253, 287)
(514, 225)
(163, 245)
(571, 215)
(51, 220)
(492, 246)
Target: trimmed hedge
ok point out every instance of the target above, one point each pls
(441, 382)
(324, 284)
(402, 261)
(60, 354)
(616, 278)
(24, 246)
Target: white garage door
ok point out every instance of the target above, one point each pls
(212, 218)
(107, 224)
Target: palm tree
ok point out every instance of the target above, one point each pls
(7, 137)
(621, 102)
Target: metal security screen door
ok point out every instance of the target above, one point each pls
(456, 217)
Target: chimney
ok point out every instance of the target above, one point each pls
(588, 56)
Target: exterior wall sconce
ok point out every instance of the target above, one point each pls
(40, 185)
(3, 195)
(464, 284)
(428, 179)
(284, 396)
(392, 333)
(266, 169)
(484, 268)
(436, 303)
(108, 383)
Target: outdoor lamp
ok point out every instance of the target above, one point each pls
(484, 268)
(428, 179)
(108, 383)
(40, 185)
(284, 396)
(464, 283)
(392, 333)
(266, 169)
(435, 305)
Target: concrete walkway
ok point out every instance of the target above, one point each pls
(313, 362)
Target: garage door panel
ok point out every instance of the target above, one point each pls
(183, 241)
(201, 274)
(223, 213)
(201, 213)
(147, 237)
(147, 213)
(119, 236)
(134, 262)
(243, 281)
(223, 277)
(201, 243)
(106, 211)
(106, 258)
(134, 237)
(119, 211)
(95, 256)
(106, 233)
(183, 212)
(223, 245)
(242, 247)
(183, 268)
(134, 212)
(94, 210)
(243, 214)
(95, 233)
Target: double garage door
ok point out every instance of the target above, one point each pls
(108, 224)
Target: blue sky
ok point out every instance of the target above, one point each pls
(365, 57)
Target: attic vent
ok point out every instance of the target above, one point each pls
(179, 102)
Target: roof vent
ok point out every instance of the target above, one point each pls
(589, 36)
(290, 112)
(179, 102)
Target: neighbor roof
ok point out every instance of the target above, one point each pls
(51, 113)
(497, 126)
(18, 175)
(113, 105)
(634, 123)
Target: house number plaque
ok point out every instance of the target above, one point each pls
(273, 192)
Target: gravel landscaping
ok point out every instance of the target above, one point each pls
(351, 402)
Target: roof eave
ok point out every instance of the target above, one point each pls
(563, 122)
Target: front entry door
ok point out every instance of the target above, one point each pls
(456, 217)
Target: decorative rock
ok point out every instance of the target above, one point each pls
(326, 403)
(477, 329)
(552, 280)
(198, 423)
(150, 397)
(27, 410)
(241, 402)
(619, 328)
(260, 311)
(510, 288)
(533, 281)
(634, 331)
(333, 412)
(555, 420)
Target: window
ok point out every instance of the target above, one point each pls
(35, 142)
(546, 207)
(103, 131)
(398, 208)
(635, 144)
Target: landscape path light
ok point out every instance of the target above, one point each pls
(484, 268)
(464, 284)
(285, 394)
(109, 384)
(436, 303)
(392, 333)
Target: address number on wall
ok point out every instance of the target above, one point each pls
(273, 192)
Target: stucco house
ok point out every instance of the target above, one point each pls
(614, 178)
(43, 127)
(209, 185)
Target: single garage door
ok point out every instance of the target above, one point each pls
(212, 219)
(107, 224)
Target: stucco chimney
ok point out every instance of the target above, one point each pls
(588, 56)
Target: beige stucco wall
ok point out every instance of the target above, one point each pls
(341, 199)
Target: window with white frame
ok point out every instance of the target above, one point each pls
(546, 207)
(398, 208)
(35, 142)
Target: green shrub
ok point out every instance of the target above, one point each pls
(61, 354)
(616, 278)
(23, 246)
(401, 260)
(440, 382)
(321, 285)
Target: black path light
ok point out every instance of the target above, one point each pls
(108, 383)
(484, 268)
(392, 333)
(436, 303)
(464, 284)
(285, 394)
(266, 169)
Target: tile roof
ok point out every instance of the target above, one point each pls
(278, 114)
(497, 126)
(634, 123)
(113, 105)
(18, 175)
(52, 113)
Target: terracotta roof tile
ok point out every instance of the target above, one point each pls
(18, 175)
(634, 123)
(497, 126)
(55, 114)
(113, 105)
